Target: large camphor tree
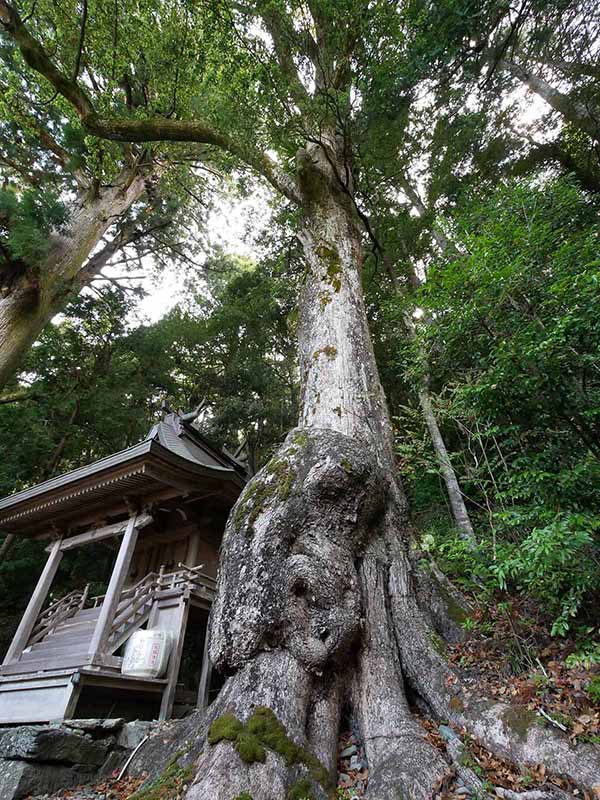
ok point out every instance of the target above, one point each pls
(323, 605)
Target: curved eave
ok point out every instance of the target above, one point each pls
(143, 470)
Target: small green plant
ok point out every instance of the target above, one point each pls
(300, 790)
(169, 784)
(554, 564)
(527, 778)
(587, 656)
(541, 683)
(593, 689)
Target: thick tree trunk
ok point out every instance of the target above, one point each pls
(320, 611)
(302, 617)
(42, 292)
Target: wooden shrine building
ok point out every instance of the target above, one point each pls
(162, 504)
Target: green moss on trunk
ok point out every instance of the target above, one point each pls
(264, 730)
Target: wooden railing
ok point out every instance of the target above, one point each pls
(188, 577)
(135, 601)
(59, 611)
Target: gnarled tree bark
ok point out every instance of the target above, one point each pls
(318, 608)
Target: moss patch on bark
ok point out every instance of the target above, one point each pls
(276, 482)
(300, 790)
(329, 351)
(333, 267)
(439, 644)
(263, 730)
(519, 720)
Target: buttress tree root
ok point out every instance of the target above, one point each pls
(316, 611)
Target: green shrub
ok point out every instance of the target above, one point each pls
(554, 564)
(593, 689)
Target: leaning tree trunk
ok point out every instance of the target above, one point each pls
(41, 291)
(455, 496)
(320, 610)
(583, 116)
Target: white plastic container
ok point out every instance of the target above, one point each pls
(147, 654)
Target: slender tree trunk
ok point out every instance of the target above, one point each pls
(42, 292)
(455, 496)
(587, 119)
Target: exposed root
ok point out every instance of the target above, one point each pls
(457, 751)
(401, 760)
(511, 733)
(534, 794)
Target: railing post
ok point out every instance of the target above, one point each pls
(84, 596)
(28, 620)
(115, 587)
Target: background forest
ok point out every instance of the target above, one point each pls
(482, 285)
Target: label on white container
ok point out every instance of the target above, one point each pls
(147, 654)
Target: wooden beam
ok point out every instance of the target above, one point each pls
(97, 534)
(115, 587)
(35, 604)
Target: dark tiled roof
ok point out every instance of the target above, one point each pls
(173, 435)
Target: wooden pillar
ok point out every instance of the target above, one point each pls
(179, 628)
(28, 620)
(191, 558)
(204, 684)
(115, 587)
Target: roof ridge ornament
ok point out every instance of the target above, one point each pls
(192, 416)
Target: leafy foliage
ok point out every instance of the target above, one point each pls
(512, 339)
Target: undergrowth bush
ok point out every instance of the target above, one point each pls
(556, 565)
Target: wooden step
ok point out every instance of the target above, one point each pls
(87, 613)
(59, 644)
(75, 659)
(68, 636)
(75, 625)
(51, 652)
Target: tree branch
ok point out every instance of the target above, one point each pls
(17, 397)
(36, 57)
(572, 110)
(283, 35)
(155, 129)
